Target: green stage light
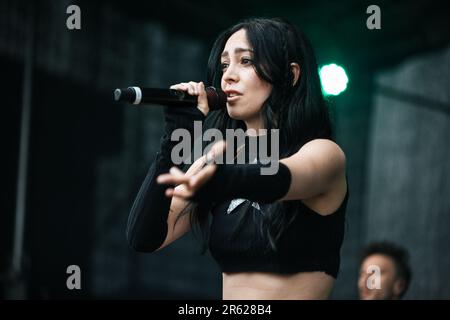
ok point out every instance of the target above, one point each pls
(333, 78)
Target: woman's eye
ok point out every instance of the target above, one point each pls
(246, 61)
(223, 65)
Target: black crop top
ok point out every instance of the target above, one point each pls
(311, 242)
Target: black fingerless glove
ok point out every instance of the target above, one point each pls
(182, 117)
(231, 181)
(147, 221)
(178, 118)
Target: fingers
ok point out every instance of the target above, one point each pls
(195, 89)
(192, 88)
(188, 183)
(179, 192)
(200, 89)
(182, 193)
(175, 177)
(195, 182)
(216, 152)
(202, 99)
(202, 177)
(169, 193)
(219, 147)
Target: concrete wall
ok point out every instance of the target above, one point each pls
(409, 169)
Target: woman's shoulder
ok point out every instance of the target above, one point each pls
(323, 147)
(324, 155)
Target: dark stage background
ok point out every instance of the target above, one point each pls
(84, 157)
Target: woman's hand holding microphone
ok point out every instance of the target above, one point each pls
(195, 89)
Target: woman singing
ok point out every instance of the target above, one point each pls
(275, 236)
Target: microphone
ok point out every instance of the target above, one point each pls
(217, 99)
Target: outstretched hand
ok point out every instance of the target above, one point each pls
(188, 183)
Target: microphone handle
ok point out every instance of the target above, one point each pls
(169, 97)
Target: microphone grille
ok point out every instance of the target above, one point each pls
(217, 99)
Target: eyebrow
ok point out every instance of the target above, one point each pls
(237, 50)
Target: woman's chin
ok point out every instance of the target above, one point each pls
(235, 114)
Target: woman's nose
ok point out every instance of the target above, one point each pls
(230, 75)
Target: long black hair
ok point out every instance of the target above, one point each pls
(299, 111)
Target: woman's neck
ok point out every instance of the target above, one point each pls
(255, 126)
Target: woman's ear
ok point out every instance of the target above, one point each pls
(295, 69)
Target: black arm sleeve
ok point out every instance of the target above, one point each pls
(231, 181)
(147, 221)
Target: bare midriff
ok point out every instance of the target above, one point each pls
(270, 286)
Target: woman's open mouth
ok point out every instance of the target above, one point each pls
(233, 98)
(232, 95)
